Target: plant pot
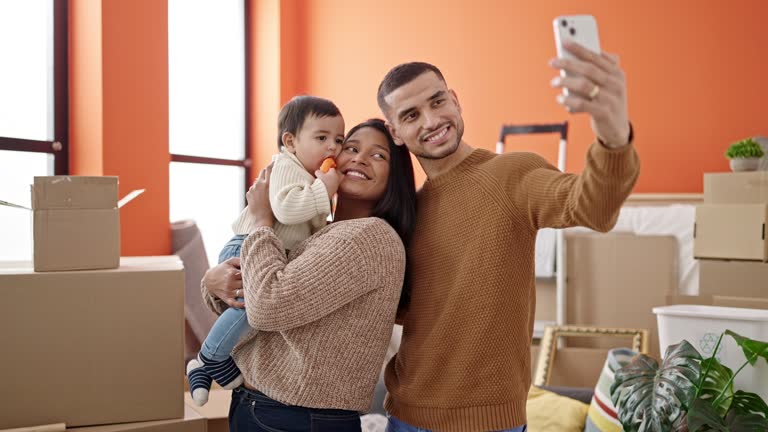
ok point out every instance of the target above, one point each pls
(745, 164)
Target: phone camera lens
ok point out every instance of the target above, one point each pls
(573, 31)
(564, 23)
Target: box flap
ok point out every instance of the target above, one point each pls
(74, 192)
(8, 204)
(128, 198)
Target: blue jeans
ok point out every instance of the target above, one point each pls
(231, 324)
(397, 425)
(252, 411)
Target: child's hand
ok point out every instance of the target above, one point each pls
(258, 199)
(331, 179)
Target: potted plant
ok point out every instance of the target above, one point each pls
(745, 155)
(688, 393)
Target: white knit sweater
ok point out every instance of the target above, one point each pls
(299, 201)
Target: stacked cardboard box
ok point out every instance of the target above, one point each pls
(92, 347)
(731, 223)
(90, 339)
(730, 240)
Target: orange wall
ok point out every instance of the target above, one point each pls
(695, 70)
(119, 110)
(695, 74)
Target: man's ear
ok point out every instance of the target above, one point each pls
(393, 132)
(288, 139)
(455, 99)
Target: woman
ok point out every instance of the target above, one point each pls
(323, 316)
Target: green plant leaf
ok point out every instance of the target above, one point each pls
(752, 348)
(702, 416)
(746, 148)
(718, 377)
(746, 422)
(748, 403)
(652, 399)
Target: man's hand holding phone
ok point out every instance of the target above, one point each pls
(596, 85)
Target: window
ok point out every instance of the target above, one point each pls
(209, 166)
(33, 110)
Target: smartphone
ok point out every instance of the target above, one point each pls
(578, 28)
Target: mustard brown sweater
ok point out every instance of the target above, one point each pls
(321, 318)
(464, 359)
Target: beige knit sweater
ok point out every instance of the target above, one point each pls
(464, 360)
(322, 317)
(299, 201)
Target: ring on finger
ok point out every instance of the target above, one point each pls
(595, 91)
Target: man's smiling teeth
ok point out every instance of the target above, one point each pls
(357, 174)
(438, 136)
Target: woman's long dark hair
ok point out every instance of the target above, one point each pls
(398, 205)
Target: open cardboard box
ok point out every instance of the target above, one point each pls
(76, 222)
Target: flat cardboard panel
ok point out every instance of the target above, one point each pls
(615, 280)
(192, 422)
(731, 231)
(736, 188)
(546, 299)
(574, 367)
(733, 278)
(74, 192)
(76, 239)
(92, 347)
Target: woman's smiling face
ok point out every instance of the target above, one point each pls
(364, 161)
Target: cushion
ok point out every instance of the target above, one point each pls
(602, 415)
(548, 411)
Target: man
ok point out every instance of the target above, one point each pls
(464, 359)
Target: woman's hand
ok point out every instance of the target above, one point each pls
(258, 200)
(226, 282)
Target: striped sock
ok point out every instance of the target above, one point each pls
(224, 372)
(199, 382)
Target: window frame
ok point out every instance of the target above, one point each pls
(59, 146)
(246, 162)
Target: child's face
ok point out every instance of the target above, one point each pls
(318, 138)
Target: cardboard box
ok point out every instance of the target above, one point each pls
(92, 347)
(733, 278)
(76, 222)
(615, 280)
(546, 299)
(191, 422)
(736, 188)
(731, 231)
(216, 411)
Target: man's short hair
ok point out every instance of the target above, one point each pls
(401, 75)
(297, 110)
